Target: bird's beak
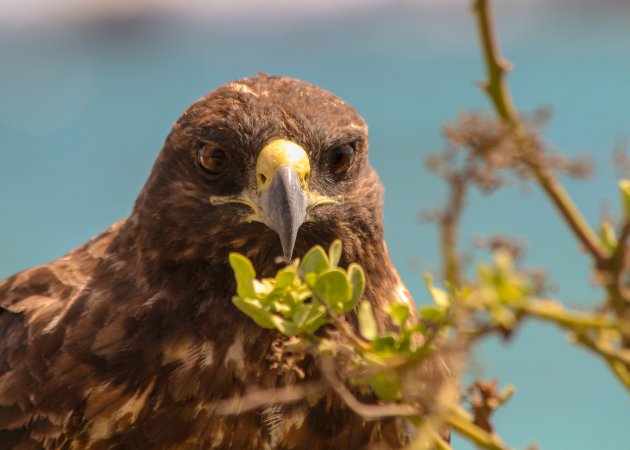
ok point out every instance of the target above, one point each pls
(282, 172)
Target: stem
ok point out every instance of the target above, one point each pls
(619, 255)
(440, 443)
(616, 362)
(496, 65)
(499, 93)
(367, 411)
(576, 322)
(459, 422)
(450, 225)
(554, 312)
(257, 398)
(614, 286)
(343, 326)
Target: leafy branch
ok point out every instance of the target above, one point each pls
(310, 301)
(608, 252)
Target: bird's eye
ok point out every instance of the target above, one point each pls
(341, 159)
(212, 159)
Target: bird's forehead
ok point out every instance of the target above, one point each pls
(273, 101)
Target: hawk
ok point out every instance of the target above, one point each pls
(127, 341)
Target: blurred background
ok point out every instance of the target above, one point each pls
(89, 90)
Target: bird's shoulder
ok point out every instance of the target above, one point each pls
(32, 303)
(53, 285)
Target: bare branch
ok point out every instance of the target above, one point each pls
(461, 423)
(261, 397)
(368, 412)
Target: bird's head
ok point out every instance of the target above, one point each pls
(266, 166)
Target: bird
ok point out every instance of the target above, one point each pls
(127, 341)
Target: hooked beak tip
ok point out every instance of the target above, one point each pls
(284, 205)
(287, 247)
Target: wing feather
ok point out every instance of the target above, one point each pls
(32, 305)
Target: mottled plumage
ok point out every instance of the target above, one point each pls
(124, 342)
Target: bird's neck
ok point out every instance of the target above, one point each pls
(205, 281)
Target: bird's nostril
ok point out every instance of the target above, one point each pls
(263, 178)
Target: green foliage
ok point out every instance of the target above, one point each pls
(313, 292)
(298, 299)
(501, 290)
(367, 323)
(624, 187)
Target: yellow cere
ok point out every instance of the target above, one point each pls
(278, 153)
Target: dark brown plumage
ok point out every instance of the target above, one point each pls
(124, 342)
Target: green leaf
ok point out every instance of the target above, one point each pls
(608, 236)
(284, 326)
(333, 287)
(262, 288)
(506, 393)
(310, 278)
(386, 385)
(367, 323)
(440, 296)
(253, 308)
(282, 304)
(384, 344)
(419, 327)
(315, 261)
(302, 313)
(245, 275)
(432, 313)
(399, 312)
(504, 261)
(356, 277)
(334, 253)
(284, 277)
(503, 316)
(316, 319)
(624, 187)
(314, 325)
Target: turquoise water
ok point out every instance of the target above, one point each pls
(84, 109)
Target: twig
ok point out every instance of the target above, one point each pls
(617, 362)
(498, 91)
(496, 65)
(440, 443)
(459, 422)
(615, 267)
(260, 397)
(570, 320)
(449, 230)
(342, 326)
(618, 256)
(368, 412)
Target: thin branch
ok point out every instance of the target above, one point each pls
(342, 326)
(440, 443)
(615, 267)
(619, 255)
(450, 225)
(568, 319)
(616, 362)
(368, 412)
(496, 65)
(255, 399)
(621, 371)
(459, 422)
(499, 93)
